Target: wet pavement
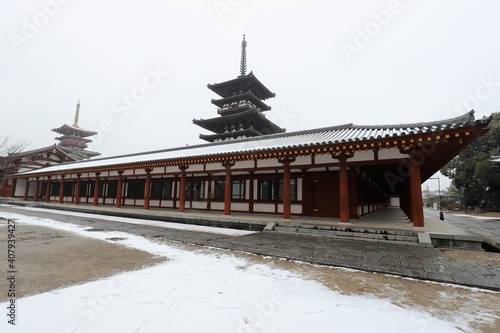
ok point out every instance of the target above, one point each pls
(403, 259)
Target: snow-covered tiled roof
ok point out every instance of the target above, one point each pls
(347, 133)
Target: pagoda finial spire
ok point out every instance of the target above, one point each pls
(243, 63)
(77, 114)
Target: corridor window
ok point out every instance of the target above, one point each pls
(135, 190)
(219, 189)
(267, 190)
(167, 190)
(238, 189)
(199, 190)
(292, 190)
(112, 189)
(68, 189)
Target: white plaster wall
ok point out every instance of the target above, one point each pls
(365, 155)
(239, 206)
(299, 189)
(154, 203)
(31, 191)
(296, 209)
(128, 172)
(263, 207)
(172, 169)
(214, 166)
(394, 202)
(280, 208)
(316, 169)
(301, 160)
(20, 187)
(324, 158)
(139, 202)
(247, 189)
(196, 167)
(243, 165)
(157, 170)
(129, 201)
(167, 203)
(217, 205)
(272, 162)
(390, 153)
(199, 205)
(255, 189)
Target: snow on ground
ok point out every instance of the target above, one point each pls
(205, 291)
(172, 225)
(478, 217)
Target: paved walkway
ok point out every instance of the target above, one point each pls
(487, 228)
(382, 257)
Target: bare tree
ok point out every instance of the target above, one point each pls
(7, 149)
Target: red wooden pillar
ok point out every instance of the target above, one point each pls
(47, 190)
(250, 200)
(96, 189)
(209, 191)
(147, 189)
(182, 189)
(174, 197)
(353, 195)
(286, 186)
(227, 187)
(343, 190)
(119, 190)
(78, 188)
(286, 191)
(26, 189)
(61, 190)
(37, 184)
(13, 188)
(417, 210)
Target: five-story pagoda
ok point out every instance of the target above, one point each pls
(73, 139)
(241, 107)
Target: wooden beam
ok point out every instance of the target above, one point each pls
(96, 189)
(343, 191)
(147, 189)
(182, 189)
(417, 210)
(78, 188)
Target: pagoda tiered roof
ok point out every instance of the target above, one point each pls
(245, 96)
(315, 141)
(75, 131)
(240, 85)
(244, 119)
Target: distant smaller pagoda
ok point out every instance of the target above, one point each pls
(73, 139)
(241, 107)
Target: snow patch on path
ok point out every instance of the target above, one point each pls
(200, 292)
(171, 225)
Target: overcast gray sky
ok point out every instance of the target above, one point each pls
(140, 68)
